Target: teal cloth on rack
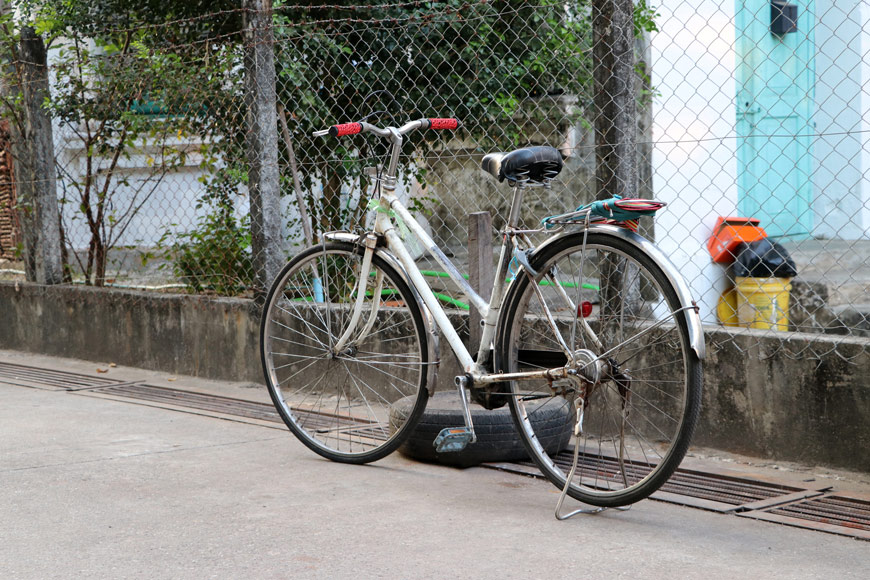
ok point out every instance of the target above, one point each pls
(615, 208)
(618, 209)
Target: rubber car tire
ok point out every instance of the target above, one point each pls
(497, 439)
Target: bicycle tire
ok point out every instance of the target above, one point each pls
(636, 427)
(338, 403)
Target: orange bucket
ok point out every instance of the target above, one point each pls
(729, 233)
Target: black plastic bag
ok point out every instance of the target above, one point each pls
(764, 259)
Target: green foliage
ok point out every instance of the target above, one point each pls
(142, 78)
(194, 19)
(110, 56)
(216, 256)
(484, 63)
(644, 17)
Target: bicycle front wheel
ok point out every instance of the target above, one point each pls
(637, 381)
(334, 388)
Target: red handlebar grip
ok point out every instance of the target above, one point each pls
(345, 129)
(439, 124)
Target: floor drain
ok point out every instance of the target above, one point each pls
(192, 400)
(819, 509)
(33, 377)
(832, 513)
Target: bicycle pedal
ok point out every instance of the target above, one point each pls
(452, 439)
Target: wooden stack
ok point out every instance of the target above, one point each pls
(10, 231)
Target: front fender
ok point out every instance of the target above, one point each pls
(433, 343)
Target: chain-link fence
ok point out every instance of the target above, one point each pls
(167, 131)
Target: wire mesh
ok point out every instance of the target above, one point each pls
(751, 109)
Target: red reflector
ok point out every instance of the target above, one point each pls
(584, 309)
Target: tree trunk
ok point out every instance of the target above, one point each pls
(38, 199)
(267, 241)
(616, 125)
(615, 105)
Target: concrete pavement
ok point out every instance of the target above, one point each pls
(98, 488)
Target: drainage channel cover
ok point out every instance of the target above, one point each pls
(163, 396)
(33, 377)
(192, 400)
(715, 492)
(724, 493)
(834, 513)
(816, 509)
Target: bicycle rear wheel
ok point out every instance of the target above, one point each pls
(640, 400)
(337, 401)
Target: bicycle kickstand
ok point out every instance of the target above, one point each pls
(578, 429)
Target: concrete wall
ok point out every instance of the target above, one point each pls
(193, 335)
(770, 397)
(763, 396)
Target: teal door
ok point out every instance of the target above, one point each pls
(775, 79)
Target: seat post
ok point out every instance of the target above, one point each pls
(516, 204)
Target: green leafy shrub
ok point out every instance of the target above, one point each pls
(216, 256)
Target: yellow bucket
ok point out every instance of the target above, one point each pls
(726, 309)
(763, 302)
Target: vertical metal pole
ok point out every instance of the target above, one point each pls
(480, 274)
(267, 241)
(37, 201)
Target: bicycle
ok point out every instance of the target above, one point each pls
(594, 328)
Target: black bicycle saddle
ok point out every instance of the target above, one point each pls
(535, 164)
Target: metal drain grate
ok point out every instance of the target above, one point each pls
(715, 492)
(192, 400)
(239, 408)
(846, 516)
(724, 493)
(34, 377)
(816, 509)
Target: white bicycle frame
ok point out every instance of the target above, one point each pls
(390, 205)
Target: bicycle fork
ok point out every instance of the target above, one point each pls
(370, 243)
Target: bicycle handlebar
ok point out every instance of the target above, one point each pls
(363, 127)
(345, 129)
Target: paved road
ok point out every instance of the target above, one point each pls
(98, 488)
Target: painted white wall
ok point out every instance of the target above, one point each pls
(167, 204)
(837, 176)
(865, 115)
(694, 154)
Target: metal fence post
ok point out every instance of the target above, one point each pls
(480, 274)
(37, 201)
(262, 142)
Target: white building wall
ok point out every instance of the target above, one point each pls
(694, 157)
(865, 115)
(145, 207)
(837, 179)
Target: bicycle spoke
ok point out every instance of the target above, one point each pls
(338, 402)
(649, 383)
